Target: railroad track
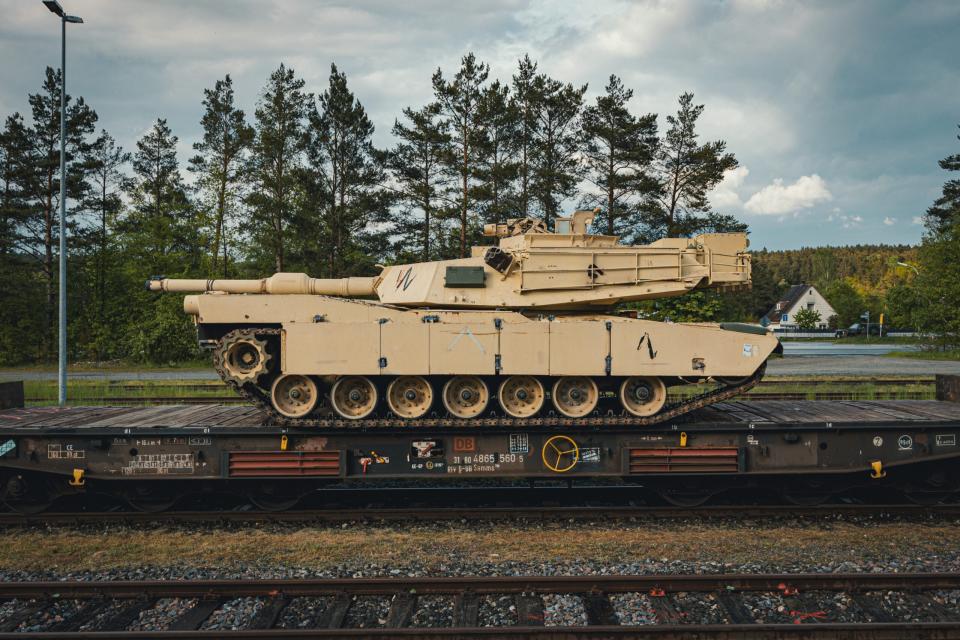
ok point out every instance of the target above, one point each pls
(878, 605)
(429, 514)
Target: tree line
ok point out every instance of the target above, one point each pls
(299, 185)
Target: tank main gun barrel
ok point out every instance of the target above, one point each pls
(278, 284)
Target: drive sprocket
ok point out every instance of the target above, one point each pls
(242, 357)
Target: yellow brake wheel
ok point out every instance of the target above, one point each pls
(560, 454)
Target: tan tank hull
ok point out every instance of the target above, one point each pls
(514, 332)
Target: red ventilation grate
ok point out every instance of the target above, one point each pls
(685, 460)
(283, 463)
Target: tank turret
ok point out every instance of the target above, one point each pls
(494, 338)
(530, 267)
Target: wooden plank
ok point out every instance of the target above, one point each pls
(529, 610)
(665, 609)
(736, 611)
(401, 610)
(335, 614)
(192, 618)
(600, 611)
(466, 610)
(269, 613)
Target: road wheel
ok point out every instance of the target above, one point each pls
(409, 396)
(643, 396)
(353, 397)
(575, 396)
(465, 396)
(294, 395)
(521, 396)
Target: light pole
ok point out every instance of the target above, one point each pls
(55, 7)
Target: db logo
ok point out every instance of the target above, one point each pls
(465, 444)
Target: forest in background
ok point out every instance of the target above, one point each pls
(298, 185)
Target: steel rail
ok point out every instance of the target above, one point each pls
(501, 585)
(406, 514)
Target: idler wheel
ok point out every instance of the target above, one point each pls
(294, 395)
(353, 397)
(575, 396)
(409, 396)
(465, 396)
(521, 396)
(244, 358)
(643, 396)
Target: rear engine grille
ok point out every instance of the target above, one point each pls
(283, 463)
(684, 460)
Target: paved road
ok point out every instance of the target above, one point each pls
(842, 349)
(863, 365)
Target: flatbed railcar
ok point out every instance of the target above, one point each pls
(805, 450)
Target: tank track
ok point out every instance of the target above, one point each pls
(261, 399)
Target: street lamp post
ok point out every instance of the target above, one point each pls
(55, 7)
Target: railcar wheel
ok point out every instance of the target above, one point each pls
(686, 498)
(807, 499)
(409, 396)
(294, 395)
(643, 396)
(244, 358)
(28, 496)
(465, 396)
(271, 498)
(521, 396)
(353, 397)
(149, 499)
(575, 396)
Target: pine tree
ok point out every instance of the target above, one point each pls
(945, 211)
(37, 170)
(416, 164)
(686, 172)
(618, 150)
(498, 169)
(525, 102)
(459, 101)
(160, 224)
(351, 171)
(276, 161)
(220, 163)
(555, 162)
(104, 200)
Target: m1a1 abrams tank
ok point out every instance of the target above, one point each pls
(524, 332)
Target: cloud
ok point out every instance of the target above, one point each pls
(726, 194)
(777, 198)
(917, 220)
(889, 221)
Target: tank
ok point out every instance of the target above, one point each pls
(529, 331)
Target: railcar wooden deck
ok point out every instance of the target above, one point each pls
(729, 414)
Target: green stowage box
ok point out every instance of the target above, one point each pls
(464, 277)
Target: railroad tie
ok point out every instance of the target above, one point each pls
(335, 614)
(401, 610)
(736, 611)
(664, 607)
(600, 611)
(126, 616)
(21, 616)
(872, 607)
(466, 610)
(529, 610)
(269, 613)
(86, 613)
(192, 618)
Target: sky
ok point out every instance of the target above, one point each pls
(837, 111)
